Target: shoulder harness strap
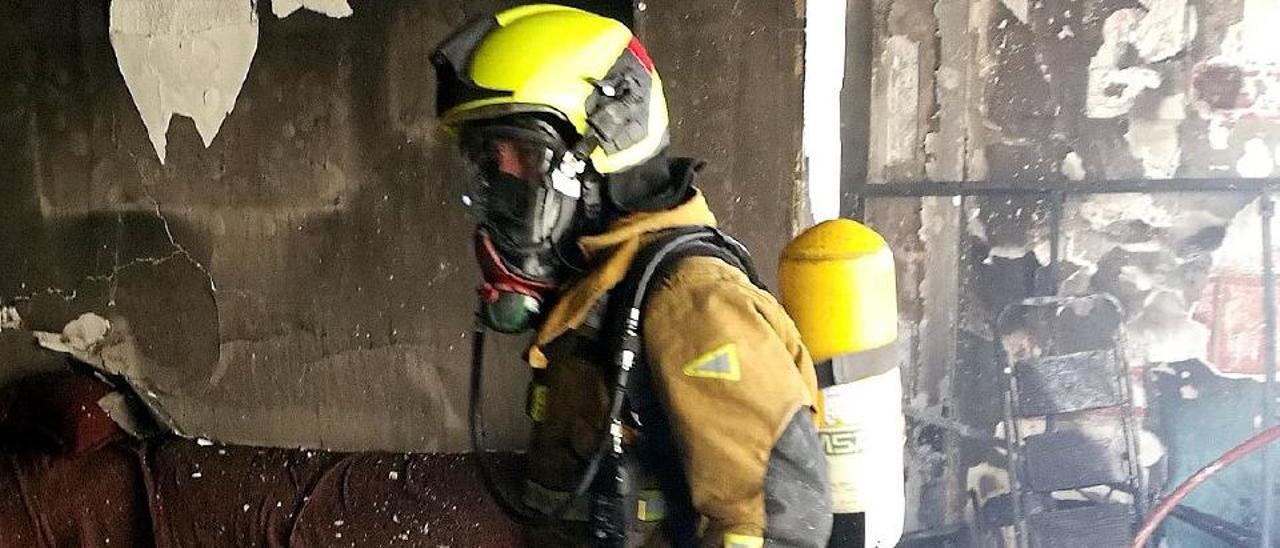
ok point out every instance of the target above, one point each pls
(657, 261)
(632, 399)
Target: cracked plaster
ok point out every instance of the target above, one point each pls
(111, 278)
(324, 207)
(181, 250)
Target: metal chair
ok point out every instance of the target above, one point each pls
(1063, 365)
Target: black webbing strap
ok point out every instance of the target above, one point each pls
(621, 332)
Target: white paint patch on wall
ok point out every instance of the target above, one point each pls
(1160, 32)
(1090, 219)
(1256, 31)
(333, 8)
(1257, 160)
(1155, 144)
(1219, 133)
(1020, 8)
(823, 80)
(1241, 249)
(1112, 90)
(1073, 167)
(1102, 211)
(1168, 27)
(187, 57)
(1164, 331)
(9, 318)
(901, 60)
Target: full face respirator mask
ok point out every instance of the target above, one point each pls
(525, 192)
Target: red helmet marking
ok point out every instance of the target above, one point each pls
(637, 49)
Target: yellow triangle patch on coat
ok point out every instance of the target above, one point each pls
(721, 363)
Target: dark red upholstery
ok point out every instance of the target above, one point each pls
(57, 413)
(67, 479)
(91, 499)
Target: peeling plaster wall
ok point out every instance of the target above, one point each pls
(183, 57)
(1048, 92)
(303, 278)
(332, 8)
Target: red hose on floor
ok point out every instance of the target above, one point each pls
(1162, 510)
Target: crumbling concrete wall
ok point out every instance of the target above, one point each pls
(1046, 93)
(297, 272)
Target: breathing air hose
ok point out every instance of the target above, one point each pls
(518, 511)
(1167, 505)
(610, 445)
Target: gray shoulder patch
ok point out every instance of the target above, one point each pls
(797, 500)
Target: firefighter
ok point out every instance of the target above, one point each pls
(561, 116)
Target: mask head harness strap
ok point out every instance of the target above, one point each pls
(498, 278)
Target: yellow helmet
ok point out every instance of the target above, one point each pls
(586, 70)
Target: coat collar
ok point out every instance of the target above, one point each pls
(610, 255)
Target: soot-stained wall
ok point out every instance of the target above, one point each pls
(305, 279)
(1048, 93)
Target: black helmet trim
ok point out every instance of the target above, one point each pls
(452, 61)
(490, 112)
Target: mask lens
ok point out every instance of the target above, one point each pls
(525, 161)
(507, 158)
(510, 190)
(513, 199)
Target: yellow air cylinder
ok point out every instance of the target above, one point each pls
(838, 283)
